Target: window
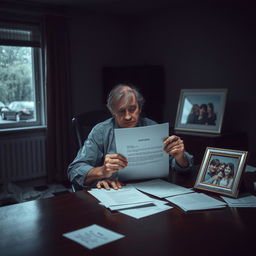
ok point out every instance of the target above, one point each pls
(21, 87)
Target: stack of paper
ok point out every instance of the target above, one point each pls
(121, 198)
(130, 201)
(246, 201)
(161, 188)
(196, 201)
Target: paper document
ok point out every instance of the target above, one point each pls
(136, 205)
(161, 188)
(143, 147)
(196, 201)
(124, 196)
(145, 211)
(250, 168)
(245, 201)
(93, 236)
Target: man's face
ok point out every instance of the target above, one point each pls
(213, 168)
(127, 115)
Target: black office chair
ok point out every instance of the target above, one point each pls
(82, 125)
(84, 122)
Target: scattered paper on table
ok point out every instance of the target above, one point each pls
(245, 201)
(161, 188)
(93, 236)
(127, 195)
(145, 211)
(250, 168)
(196, 201)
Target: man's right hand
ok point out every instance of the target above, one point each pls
(113, 163)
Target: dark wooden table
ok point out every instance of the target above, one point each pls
(35, 228)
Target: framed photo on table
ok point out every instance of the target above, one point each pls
(201, 110)
(221, 171)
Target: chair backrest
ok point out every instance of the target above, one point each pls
(84, 122)
(82, 125)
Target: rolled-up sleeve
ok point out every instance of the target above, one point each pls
(88, 157)
(175, 166)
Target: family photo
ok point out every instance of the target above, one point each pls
(201, 110)
(220, 173)
(202, 114)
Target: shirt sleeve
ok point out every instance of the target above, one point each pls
(88, 157)
(175, 166)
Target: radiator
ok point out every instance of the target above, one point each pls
(22, 158)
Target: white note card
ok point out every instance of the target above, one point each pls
(93, 236)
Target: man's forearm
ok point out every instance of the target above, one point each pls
(182, 161)
(94, 174)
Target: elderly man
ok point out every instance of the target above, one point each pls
(97, 162)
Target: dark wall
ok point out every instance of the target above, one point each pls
(209, 48)
(145, 78)
(198, 47)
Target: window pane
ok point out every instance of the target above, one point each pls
(17, 90)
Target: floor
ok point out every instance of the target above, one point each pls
(12, 193)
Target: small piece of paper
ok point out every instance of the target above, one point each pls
(93, 236)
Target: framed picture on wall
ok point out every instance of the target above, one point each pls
(201, 110)
(221, 171)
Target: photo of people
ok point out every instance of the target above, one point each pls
(200, 111)
(221, 171)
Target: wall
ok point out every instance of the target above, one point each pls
(205, 48)
(96, 41)
(199, 48)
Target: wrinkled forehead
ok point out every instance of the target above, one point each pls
(124, 99)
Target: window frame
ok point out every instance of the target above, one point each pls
(38, 84)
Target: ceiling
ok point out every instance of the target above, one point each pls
(139, 7)
(121, 7)
(107, 6)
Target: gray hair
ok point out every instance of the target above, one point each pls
(119, 92)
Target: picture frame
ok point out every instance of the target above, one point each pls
(201, 110)
(221, 170)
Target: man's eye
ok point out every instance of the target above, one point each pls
(121, 112)
(132, 109)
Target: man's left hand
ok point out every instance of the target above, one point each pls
(174, 146)
(107, 184)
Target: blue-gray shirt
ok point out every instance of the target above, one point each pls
(101, 141)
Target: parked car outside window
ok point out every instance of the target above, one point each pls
(1, 105)
(18, 110)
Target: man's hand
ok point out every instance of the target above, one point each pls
(174, 146)
(113, 163)
(107, 184)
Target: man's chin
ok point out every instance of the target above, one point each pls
(129, 125)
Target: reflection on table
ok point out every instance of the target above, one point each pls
(36, 228)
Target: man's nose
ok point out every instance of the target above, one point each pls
(127, 115)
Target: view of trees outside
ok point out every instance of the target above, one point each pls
(15, 74)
